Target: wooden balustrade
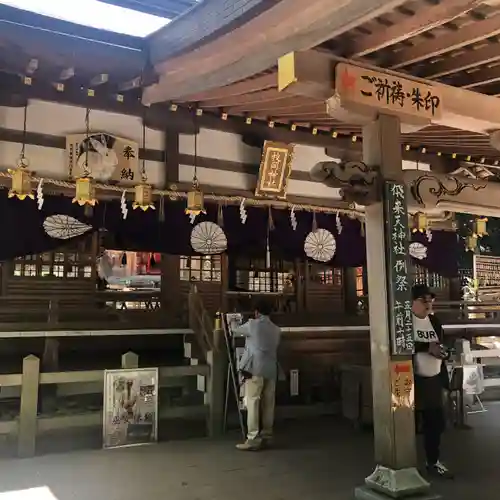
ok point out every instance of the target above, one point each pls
(200, 321)
(30, 424)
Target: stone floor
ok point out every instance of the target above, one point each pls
(320, 459)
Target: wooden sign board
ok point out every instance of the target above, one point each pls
(361, 90)
(397, 265)
(402, 386)
(110, 158)
(274, 170)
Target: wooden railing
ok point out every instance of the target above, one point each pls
(30, 423)
(103, 310)
(200, 321)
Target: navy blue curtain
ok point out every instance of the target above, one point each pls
(22, 231)
(288, 244)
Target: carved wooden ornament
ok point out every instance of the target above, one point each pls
(274, 170)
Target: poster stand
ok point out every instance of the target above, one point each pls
(229, 321)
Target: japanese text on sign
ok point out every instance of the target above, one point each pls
(274, 169)
(398, 282)
(361, 87)
(402, 384)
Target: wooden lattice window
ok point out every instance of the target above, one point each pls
(325, 275)
(72, 263)
(422, 276)
(206, 268)
(254, 275)
(360, 281)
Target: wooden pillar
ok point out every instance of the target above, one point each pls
(50, 364)
(396, 474)
(216, 384)
(350, 296)
(26, 439)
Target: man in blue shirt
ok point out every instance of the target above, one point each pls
(259, 369)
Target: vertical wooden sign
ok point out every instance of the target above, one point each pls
(274, 170)
(397, 267)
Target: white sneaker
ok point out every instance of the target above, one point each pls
(439, 469)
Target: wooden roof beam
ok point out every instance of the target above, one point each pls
(424, 20)
(484, 76)
(462, 109)
(466, 35)
(240, 54)
(468, 59)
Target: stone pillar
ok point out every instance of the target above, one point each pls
(395, 475)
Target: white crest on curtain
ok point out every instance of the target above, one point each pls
(418, 250)
(320, 245)
(64, 227)
(208, 238)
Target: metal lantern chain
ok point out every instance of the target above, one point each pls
(195, 176)
(22, 156)
(143, 161)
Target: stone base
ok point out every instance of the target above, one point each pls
(396, 483)
(365, 493)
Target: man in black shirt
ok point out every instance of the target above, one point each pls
(431, 376)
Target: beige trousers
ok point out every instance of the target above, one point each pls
(260, 394)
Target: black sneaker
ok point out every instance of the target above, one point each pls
(440, 470)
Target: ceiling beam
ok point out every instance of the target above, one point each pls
(264, 82)
(477, 78)
(264, 96)
(466, 35)
(159, 117)
(467, 59)
(425, 19)
(240, 54)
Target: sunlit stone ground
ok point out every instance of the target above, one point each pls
(320, 459)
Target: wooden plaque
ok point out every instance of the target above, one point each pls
(274, 170)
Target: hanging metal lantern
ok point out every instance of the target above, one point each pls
(85, 192)
(471, 243)
(420, 223)
(195, 202)
(143, 197)
(479, 227)
(21, 180)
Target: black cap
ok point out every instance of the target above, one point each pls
(421, 291)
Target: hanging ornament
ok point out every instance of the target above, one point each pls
(39, 194)
(192, 218)
(243, 211)
(471, 243)
(220, 215)
(84, 187)
(293, 219)
(208, 238)
(338, 223)
(479, 227)
(143, 191)
(362, 228)
(419, 223)
(320, 245)
(428, 234)
(143, 197)
(124, 259)
(270, 220)
(195, 204)
(123, 204)
(161, 211)
(314, 223)
(21, 176)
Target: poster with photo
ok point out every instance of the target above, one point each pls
(130, 416)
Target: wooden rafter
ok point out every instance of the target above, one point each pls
(483, 76)
(262, 98)
(472, 33)
(424, 20)
(263, 82)
(160, 8)
(465, 60)
(287, 103)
